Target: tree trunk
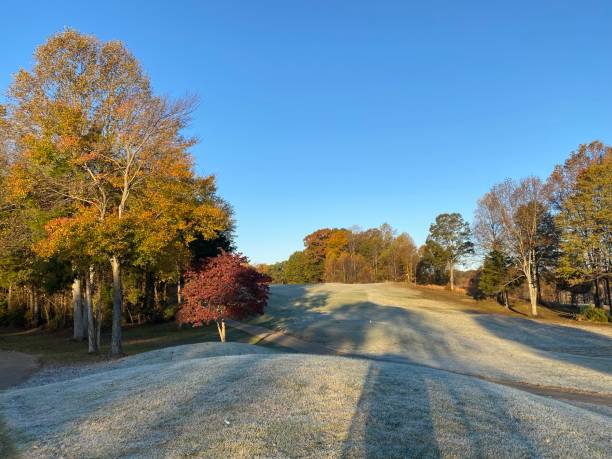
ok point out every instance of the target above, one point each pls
(9, 298)
(452, 277)
(529, 268)
(91, 326)
(179, 292)
(606, 281)
(149, 292)
(85, 317)
(158, 312)
(596, 295)
(35, 308)
(98, 327)
(537, 285)
(117, 300)
(221, 330)
(77, 310)
(506, 305)
(533, 296)
(179, 285)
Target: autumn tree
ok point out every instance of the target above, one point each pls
(452, 235)
(582, 198)
(276, 271)
(95, 143)
(295, 268)
(225, 287)
(509, 219)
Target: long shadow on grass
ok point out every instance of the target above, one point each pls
(567, 344)
(383, 426)
(392, 418)
(407, 411)
(414, 336)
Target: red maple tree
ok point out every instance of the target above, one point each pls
(224, 287)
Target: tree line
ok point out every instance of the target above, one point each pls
(555, 231)
(531, 234)
(349, 255)
(101, 212)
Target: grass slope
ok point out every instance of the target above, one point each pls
(444, 331)
(236, 400)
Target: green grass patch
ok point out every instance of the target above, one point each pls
(59, 347)
(595, 315)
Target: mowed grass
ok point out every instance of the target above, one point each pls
(444, 330)
(59, 347)
(236, 400)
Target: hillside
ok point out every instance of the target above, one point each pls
(194, 401)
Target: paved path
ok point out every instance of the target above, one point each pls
(281, 338)
(16, 367)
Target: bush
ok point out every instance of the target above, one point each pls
(14, 317)
(595, 315)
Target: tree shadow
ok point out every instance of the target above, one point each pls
(381, 429)
(566, 344)
(368, 328)
(407, 411)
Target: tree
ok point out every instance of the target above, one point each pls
(516, 210)
(452, 234)
(276, 271)
(295, 268)
(398, 258)
(96, 146)
(497, 276)
(582, 198)
(225, 287)
(315, 250)
(432, 267)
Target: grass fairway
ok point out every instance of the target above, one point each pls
(446, 331)
(238, 400)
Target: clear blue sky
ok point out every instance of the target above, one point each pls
(328, 114)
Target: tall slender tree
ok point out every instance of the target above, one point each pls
(452, 234)
(511, 216)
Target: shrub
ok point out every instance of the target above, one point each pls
(14, 317)
(595, 315)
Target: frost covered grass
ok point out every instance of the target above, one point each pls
(411, 325)
(236, 400)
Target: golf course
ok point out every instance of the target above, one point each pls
(370, 230)
(407, 373)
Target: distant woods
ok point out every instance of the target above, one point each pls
(541, 240)
(349, 256)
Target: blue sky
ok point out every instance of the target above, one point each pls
(329, 114)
